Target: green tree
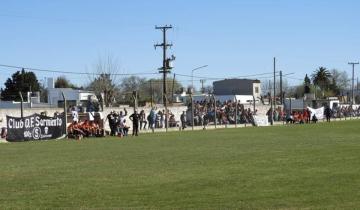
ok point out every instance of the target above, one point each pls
(156, 89)
(322, 78)
(21, 81)
(132, 83)
(307, 80)
(340, 81)
(127, 86)
(63, 82)
(296, 91)
(307, 83)
(147, 89)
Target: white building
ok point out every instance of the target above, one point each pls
(73, 97)
(245, 89)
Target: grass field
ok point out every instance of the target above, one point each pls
(309, 166)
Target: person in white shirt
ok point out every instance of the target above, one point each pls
(122, 122)
(75, 115)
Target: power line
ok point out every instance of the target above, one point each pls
(293, 78)
(47, 19)
(133, 74)
(70, 72)
(220, 78)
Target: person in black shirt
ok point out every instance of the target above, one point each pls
(327, 113)
(135, 118)
(183, 120)
(112, 123)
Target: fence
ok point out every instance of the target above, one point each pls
(209, 114)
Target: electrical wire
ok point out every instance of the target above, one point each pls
(78, 73)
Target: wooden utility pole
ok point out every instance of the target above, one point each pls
(172, 89)
(274, 82)
(352, 81)
(281, 89)
(166, 64)
(271, 105)
(152, 94)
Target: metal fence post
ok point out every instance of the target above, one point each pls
(254, 105)
(192, 112)
(21, 104)
(236, 112)
(215, 115)
(65, 113)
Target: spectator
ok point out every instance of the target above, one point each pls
(183, 120)
(327, 113)
(143, 120)
(152, 119)
(74, 114)
(111, 118)
(135, 118)
(314, 119)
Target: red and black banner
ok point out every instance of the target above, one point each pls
(35, 127)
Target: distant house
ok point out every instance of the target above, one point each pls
(33, 101)
(243, 87)
(55, 98)
(73, 97)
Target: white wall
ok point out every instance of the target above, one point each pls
(177, 111)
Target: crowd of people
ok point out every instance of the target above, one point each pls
(346, 111)
(139, 121)
(222, 113)
(305, 116)
(79, 129)
(205, 113)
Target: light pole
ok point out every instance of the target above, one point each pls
(192, 74)
(191, 95)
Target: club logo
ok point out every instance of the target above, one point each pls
(36, 133)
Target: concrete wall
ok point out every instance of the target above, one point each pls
(262, 109)
(50, 112)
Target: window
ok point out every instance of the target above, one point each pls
(256, 89)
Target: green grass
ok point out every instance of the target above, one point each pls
(310, 166)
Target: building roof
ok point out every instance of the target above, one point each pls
(239, 80)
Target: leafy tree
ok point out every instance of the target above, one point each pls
(322, 78)
(63, 82)
(21, 81)
(157, 89)
(307, 80)
(127, 86)
(340, 81)
(307, 83)
(296, 91)
(147, 89)
(131, 83)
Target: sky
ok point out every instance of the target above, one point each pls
(234, 38)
